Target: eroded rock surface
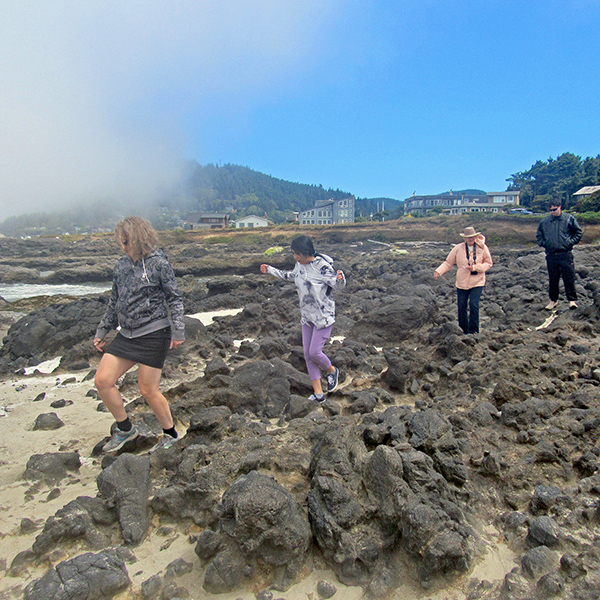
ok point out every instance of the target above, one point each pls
(432, 438)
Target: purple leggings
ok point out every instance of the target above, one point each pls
(313, 340)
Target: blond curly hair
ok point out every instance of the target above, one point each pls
(137, 236)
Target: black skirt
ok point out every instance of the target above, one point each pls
(150, 349)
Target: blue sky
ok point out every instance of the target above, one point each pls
(376, 98)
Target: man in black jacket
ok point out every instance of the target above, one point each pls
(557, 234)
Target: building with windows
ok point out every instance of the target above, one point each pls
(206, 221)
(460, 203)
(251, 221)
(329, 212)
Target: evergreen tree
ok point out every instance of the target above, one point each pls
(555, 178)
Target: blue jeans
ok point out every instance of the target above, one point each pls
(468, 309)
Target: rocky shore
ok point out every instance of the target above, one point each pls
(445, 466)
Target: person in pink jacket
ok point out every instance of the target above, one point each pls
(472, 259)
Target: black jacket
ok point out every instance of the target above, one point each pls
(558, 234)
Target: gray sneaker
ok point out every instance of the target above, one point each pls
(165, 442)
(119, 438)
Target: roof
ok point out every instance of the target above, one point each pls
(251, 217)
(586, 191)
(203, 215)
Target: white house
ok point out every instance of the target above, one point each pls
(251, 221)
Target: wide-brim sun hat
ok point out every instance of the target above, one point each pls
(469, 232)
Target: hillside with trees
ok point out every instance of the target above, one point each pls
(237, 190)
(241, 191)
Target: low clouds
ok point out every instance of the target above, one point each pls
(96, 98)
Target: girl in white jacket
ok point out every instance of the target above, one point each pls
(315, 280)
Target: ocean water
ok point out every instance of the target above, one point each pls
(18, 291)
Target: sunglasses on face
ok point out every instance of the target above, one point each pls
(554, 208)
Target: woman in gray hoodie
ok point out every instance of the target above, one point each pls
(146, 306)
(315, 280)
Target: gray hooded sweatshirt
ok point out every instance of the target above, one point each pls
(315, 283)
(144, 296)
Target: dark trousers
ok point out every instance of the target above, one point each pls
(561, 265)
(468, 309)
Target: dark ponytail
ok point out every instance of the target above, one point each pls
(303, 245)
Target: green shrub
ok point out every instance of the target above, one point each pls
(273, 250)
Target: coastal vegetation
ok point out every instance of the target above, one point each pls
(560, 177)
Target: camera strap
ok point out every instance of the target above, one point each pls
(474, 254)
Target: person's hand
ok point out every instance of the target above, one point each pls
(263, 268)
(175, 343)
(436, 275)
(99, 344)
(340, 275)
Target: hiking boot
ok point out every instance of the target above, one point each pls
(317, 399)
(552, 305)
(119, 438)
(332, 380)
(572, 305)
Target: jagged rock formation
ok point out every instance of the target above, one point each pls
(432, 436)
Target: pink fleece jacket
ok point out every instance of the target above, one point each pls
(458, 256)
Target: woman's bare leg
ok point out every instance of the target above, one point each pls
(148, 380)
(110, 369)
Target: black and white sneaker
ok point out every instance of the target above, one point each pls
(332, 380)
(318, 399)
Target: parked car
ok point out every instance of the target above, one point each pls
(520, 211)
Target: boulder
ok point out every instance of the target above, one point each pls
(259, 522)
(52, 467)
(125, 484)
(88, 576)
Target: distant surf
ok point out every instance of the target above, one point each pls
(18, 291)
